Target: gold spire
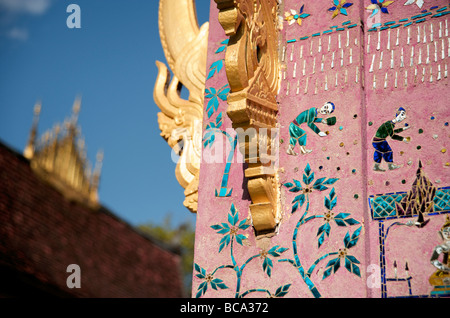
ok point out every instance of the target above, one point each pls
(29, 149)
(59, 158)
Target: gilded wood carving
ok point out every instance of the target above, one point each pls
(252, 68)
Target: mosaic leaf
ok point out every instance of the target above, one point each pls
(321, 239)
(324, 228)
(214, 95)
(282, 290)
(200, 270)
(299, 201)
(240, 238)
(215, 67)
(224, 242)
(307, 169)
(267, 266)
(308, 178)
(340, 222)
(277, 250)
(301, 8)
(341, 215)
(330, 181)
(351, 221)
(333, 265)
(243, 224)
(212, 106)
(233, 218)
(349, 242)
(330, 202)
(327, 272)
(223, 46)
(346, 239)
(202, 288)
(351, 266)
(297, 183)
(216, 282)
(295, 189)
(223, 231)
(353, 259)
(295, 207)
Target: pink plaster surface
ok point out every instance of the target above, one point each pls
(346, 147)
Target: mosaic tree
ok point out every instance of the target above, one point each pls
(341, 219)
(213, 128)
(231, 233)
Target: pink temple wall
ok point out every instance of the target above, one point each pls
(346, 154)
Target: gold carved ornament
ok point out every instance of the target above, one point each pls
(180, 120)
(252, 68)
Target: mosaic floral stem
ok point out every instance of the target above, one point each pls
(255, 290)
(311, 269)
(223, 192)
(239, 270)
(296, 261)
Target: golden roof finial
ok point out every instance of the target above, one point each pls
(76, 105)
(75, 111)
(96, 175)
(98, 164)
(60, 158)
(29, 149)
(37, 108)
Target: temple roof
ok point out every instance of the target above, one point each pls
(59, 157)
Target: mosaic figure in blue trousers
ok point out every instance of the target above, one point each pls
(298, 135)
(382, 148)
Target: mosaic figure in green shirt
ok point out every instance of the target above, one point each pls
(308, 117)
(380, 144)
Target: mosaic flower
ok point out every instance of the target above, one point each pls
(341, 219)
(267, 263)
(340, 6)
(208, 280)
(230, 229)
(308, 178)
(349, 260)
(211, 129)
(213, 95)
(418, 2)
(378, 5)
(293, 16)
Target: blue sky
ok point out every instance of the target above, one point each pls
(110, 62)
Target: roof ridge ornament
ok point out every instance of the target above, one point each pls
(59, 158)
